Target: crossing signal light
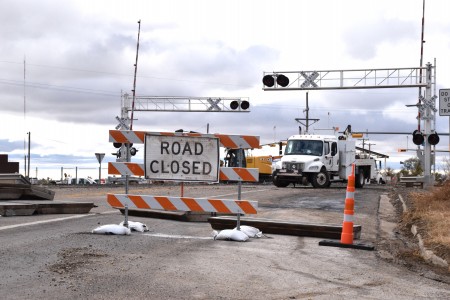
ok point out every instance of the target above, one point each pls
(117, 145)
(269, 80)
(133, 151)
(418, 138)
(433, 139)
(244, 104)
(282, 80)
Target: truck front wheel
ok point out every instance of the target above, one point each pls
(320, 180)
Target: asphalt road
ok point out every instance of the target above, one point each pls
(56, 256)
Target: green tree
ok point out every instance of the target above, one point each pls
(412, 167)
(446, 166)
(389, 172)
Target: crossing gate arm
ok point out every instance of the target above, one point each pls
(182, 204)
(225, 173)
(226, 140)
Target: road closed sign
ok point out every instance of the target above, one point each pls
(181, 158)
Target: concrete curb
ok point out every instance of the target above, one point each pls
(426, 254)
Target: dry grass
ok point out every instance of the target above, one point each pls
(430, 211)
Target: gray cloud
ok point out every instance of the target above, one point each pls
(363, 40)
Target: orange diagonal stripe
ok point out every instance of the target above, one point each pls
(222, 176)
(112, 169)
(253, 141)
(135, 169)
(226, 141)
(219, 206)
(113, 201)
(246, 207)
(244, 174)
(192, 204)
(139, 201)
(140, 135)
(117, 136)
(165, 203)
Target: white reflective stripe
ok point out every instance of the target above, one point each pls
(350, 195)
(348, 218)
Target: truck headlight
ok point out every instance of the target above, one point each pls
(314, 168)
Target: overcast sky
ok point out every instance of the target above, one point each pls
(65, 64)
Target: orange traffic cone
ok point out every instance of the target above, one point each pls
(347, 226)
(349, 210)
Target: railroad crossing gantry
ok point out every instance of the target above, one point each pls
(367, 79)
(178, 104)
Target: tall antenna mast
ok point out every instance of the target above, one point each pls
(421, 64)
(135, 72)
(24, 116)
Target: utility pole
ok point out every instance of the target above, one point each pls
(307, 119)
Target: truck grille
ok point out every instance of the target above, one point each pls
(292, 167)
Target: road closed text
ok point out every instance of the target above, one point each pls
(181, 158)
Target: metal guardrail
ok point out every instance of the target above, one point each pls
(411, 181)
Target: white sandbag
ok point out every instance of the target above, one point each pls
(250, 231)
(136, 226)
(231, 235)
(112, 229)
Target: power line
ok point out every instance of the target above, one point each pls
(130, 75)
(57, 87)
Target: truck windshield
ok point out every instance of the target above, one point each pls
(304, 147)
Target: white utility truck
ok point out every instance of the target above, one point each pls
(321, 160)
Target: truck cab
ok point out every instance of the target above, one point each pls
(307, 159)
(321, 160)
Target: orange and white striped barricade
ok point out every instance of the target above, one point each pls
(126, 168)
(239, 174)
(226, 173)
(347, 225)
(225, 140)
(226, 206)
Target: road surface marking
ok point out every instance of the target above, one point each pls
(54, 220)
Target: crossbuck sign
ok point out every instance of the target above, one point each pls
(181, 158)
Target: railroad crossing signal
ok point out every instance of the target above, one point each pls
(309, 79)
(179, 104)
(122, 123)
(372, 79)
(433, 139)
(244, 105)
(214, 105)
(282, 80)
(418, 138)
